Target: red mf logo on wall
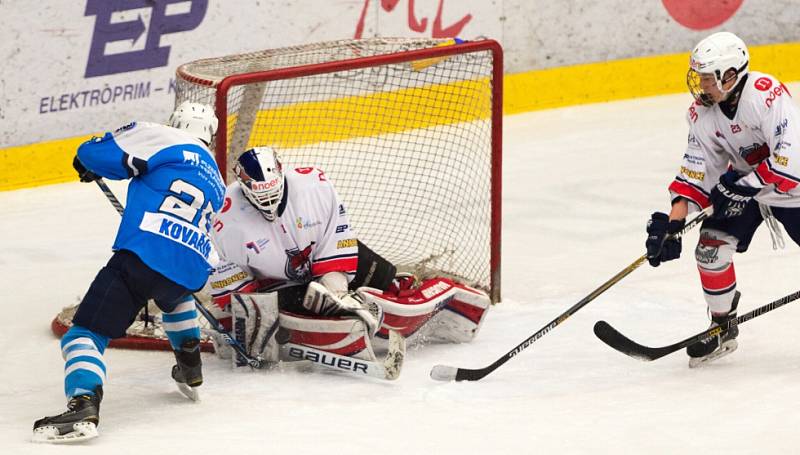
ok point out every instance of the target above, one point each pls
(416, 23)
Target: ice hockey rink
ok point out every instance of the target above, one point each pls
(579, 184)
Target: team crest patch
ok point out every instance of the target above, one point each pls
(708, 248)
(298, 263)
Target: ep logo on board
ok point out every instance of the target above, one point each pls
(116, 46)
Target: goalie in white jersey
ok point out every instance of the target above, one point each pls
(742, 158)
(287, 229)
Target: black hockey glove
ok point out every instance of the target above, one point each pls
(730, 199)
(85, 175)
(660, 248)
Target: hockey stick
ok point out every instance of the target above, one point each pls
(610, 336)
(389, 368)
(255, 362)
(449, 373)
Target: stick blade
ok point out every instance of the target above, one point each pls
(616, 340)
(444, 373)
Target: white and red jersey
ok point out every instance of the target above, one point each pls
(310, 237)
(761, 142)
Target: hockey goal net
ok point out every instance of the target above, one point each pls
(408, 130)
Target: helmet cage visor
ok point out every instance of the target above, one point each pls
(262, 181)
(694, 80)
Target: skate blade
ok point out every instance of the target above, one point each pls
(190, 392)
(82, 431)
(726, 348)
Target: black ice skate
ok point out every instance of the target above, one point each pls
(719, 345)
(79, 423)
(188, 372)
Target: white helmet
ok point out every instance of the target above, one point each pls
(196, 118)
(260, 174)
(715, 55)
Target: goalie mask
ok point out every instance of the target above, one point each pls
(715, 61)
(196, 119)
(260, 175)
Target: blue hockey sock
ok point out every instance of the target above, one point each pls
(84, 369)
(181, 323)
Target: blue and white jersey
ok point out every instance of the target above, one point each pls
(175, 188)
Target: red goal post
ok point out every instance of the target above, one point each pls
(409, 131)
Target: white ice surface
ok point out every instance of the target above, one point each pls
(579, 184)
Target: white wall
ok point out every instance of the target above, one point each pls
(77, 66)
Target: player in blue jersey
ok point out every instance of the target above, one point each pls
(161, 252)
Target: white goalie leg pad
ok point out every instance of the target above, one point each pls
(320, 300)
(222, 349)
(255, 323)
(339, 335)
(439, 309)
(462, 317)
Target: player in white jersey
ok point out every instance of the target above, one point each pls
(288, 228)
(162, 252)
(742, 158)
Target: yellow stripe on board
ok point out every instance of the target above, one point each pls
(372, 115)
(39, 164)
(629, 78)
(51, 162)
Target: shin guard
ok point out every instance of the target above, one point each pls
(714, 255)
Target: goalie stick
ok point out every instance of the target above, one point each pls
(389, 368)
(449, 373)
(612, 337)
